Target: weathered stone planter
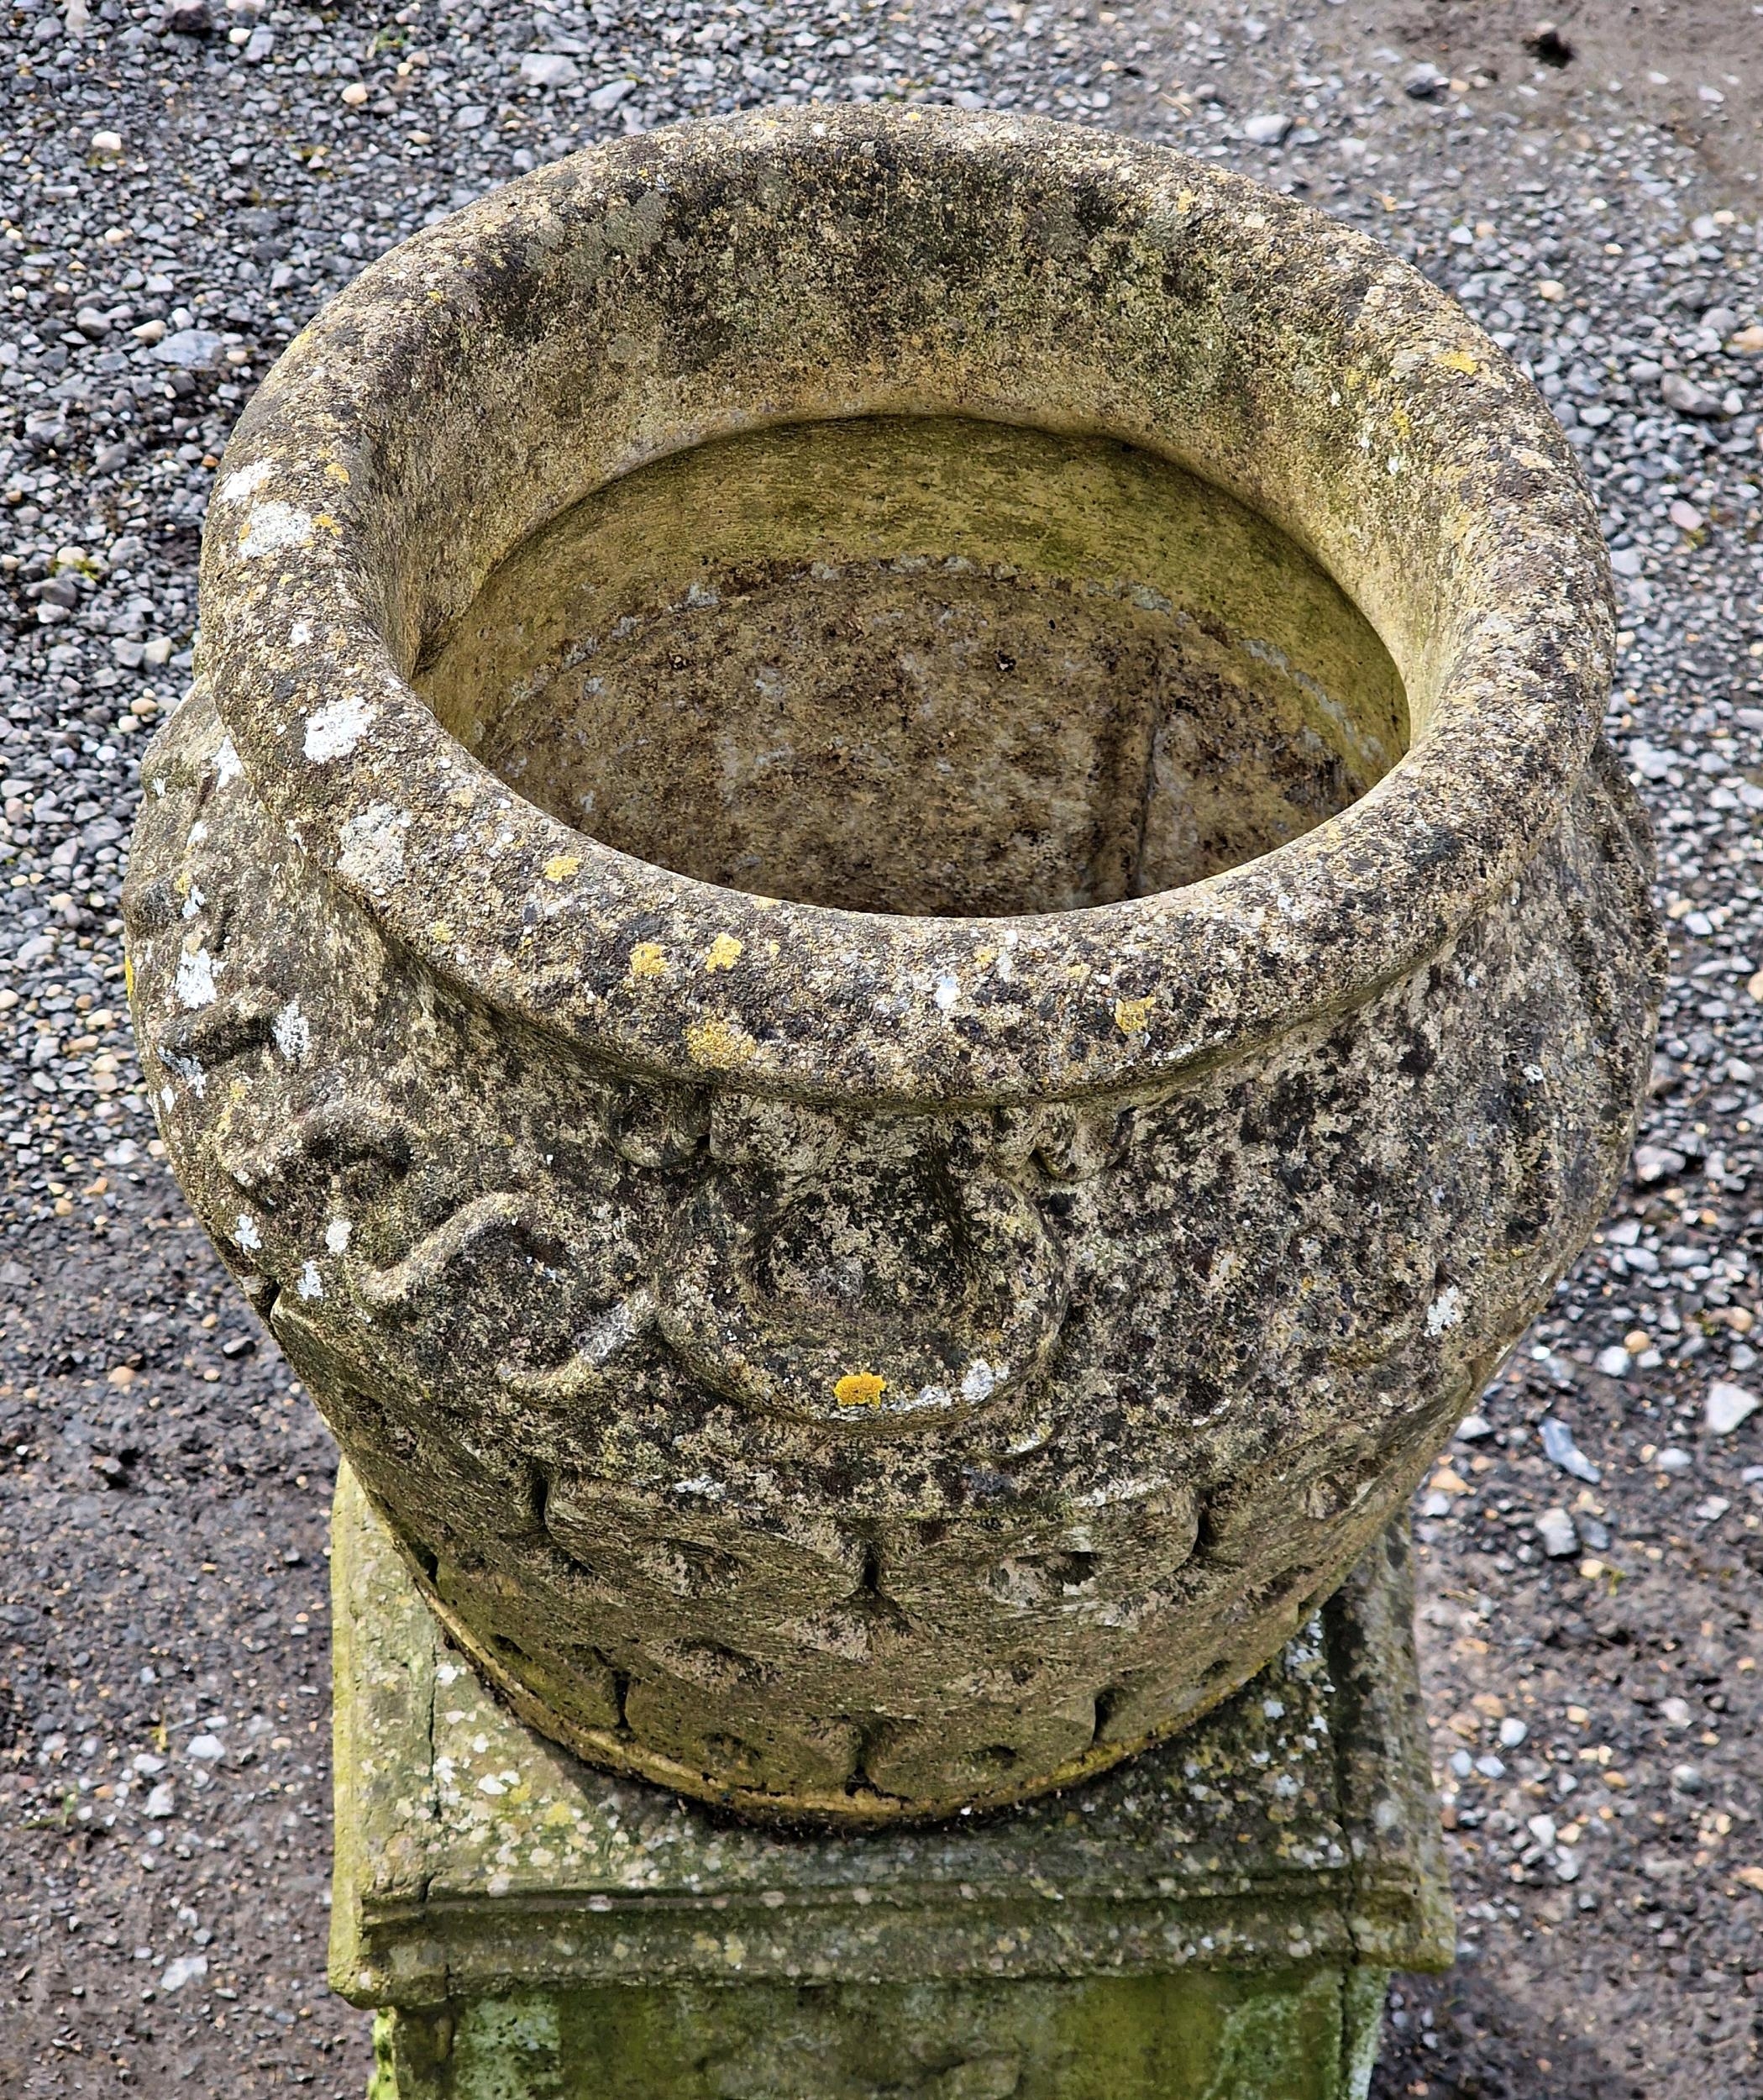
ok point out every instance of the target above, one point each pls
(889, 932)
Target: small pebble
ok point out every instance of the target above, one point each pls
(1558, 1442)
(1687, 397)
(1555, 1530)
(549, 69)
(1728, 1405)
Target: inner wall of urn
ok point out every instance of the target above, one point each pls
(918, 664)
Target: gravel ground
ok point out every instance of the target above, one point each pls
(177, 194)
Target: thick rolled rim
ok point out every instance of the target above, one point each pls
(1303, 368)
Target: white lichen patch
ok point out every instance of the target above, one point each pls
(228, 765)
(336, 1235)
(293, 1032)
(610, 1333)
(978, 1379)
(195, 982)
(1446, 1310)
(333, 732)
(191, 1073)
(245, 482)
(948, 990)
(372, 846)
(275, 528)
(245, 1233)
(310, 1283)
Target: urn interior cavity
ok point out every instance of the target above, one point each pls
(930, 665)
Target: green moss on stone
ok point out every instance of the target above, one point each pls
(1291, 2034)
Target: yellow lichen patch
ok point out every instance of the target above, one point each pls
(859, 1388)
(336, 471)
(719, 1043)
(440, 930)
(329, 523)
(562, 866)
(1132, 1016)
(1460, 361)
(725, 952)
(649, 958)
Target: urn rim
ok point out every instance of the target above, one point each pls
(1380, 427)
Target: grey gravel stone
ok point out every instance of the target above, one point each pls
(190, 349)
(549, 69)
(1688, 398)
(1558, 1443)
(1728, 1406)
(1555, 1530)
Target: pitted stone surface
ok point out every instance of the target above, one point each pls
(852, 1366)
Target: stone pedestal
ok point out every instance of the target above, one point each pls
(1213, 1921)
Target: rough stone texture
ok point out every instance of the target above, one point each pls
(1216, 1919)
(849, 1365)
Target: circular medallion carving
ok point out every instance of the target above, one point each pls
(877, 1291)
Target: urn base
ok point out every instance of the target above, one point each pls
(1215, 1918)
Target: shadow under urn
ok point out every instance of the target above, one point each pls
(890, 933)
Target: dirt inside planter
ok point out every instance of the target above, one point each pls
(921, 664)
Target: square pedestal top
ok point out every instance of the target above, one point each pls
(1295, 1825)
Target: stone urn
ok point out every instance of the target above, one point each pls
(889, 931)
